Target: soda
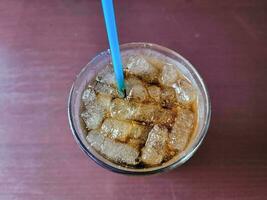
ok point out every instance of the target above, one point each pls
(152, 124)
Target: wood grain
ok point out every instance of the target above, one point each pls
(44, 44)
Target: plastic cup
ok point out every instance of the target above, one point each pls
(164, 54)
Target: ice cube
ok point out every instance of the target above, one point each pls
(135, 89)
(154, 92)
(131, 81)
(139, 66)
(182, 129)
(93, 116)
(96, 139)
(103, 88)
(155, 147)
(185, 93)
(151, 157)
(149, 112)
(164, 117)
(104, 101)
(107, 76)
(138, 92)
(153, 113)
(122, 109)
(115, 151)
(146, 112)
(123, 130)
(139, 131)
(169, 75)
(116, 129)
(168, 97)
(88, 96)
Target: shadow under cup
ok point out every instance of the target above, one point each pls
(163, 54)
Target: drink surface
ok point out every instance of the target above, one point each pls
(151, 125)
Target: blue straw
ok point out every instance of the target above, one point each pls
(109, 16)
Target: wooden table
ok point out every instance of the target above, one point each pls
(44, 44)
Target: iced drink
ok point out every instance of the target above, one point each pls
(151, 125)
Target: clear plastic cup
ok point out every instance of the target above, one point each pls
(164, 54)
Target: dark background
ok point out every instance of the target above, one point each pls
(44, 44)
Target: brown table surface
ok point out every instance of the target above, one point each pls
(44, 44)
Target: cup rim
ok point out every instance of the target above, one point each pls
(178, 162)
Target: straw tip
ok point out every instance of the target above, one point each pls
(122, 93)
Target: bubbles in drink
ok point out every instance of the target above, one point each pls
(151, 125)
